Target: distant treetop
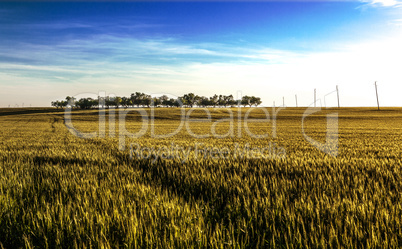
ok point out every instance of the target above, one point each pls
(138, 99)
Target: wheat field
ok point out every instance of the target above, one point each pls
(58, 190)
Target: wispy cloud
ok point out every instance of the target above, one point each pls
(384, 3)
(396, 22)
(112, 52)
(226, 69)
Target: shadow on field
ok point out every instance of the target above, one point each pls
(185, 181)
(22, 111)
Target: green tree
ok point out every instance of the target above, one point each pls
(190, 99)
(255, 101)
(117, 101)
(246, 100)
(87, 103)
(214, 100)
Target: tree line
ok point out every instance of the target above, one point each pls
(139, 99)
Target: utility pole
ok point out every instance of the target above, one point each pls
(315, 96)
(274, 103)
(337, 94)
(376, 93)
(296, 99)
(283, 101)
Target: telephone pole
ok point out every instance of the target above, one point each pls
(314, 97)
(376, 93)
(337, 94)
(283, 101)
(296, 99)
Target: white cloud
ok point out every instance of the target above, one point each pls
(385, 3)
(354, 69)
(264, 72)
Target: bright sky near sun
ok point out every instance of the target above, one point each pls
(270, 49)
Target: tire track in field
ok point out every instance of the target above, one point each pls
(54, 119)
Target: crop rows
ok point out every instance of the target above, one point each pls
(59, 190)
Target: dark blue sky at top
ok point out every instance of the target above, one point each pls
(279, 25)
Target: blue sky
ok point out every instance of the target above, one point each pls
(269, 49)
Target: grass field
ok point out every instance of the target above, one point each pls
(59, 190)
